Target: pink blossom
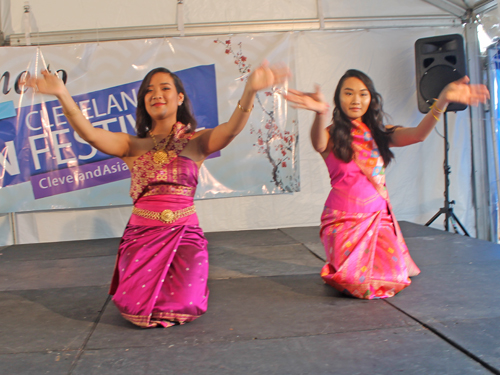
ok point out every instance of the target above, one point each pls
(284, 164)
(228, 42)
(243, 58)
(228, 50)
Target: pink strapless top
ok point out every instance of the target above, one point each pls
(351, 190)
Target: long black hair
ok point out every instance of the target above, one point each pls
(184, 111)
(340, 131)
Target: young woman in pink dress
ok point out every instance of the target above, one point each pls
(161, 271)
(366, 253)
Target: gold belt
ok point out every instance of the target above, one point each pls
(166, 216)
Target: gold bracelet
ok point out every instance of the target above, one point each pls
(243, 109)
(71, 112)
(437, 119)
(434, 106)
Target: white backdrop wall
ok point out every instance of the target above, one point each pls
(415, 180)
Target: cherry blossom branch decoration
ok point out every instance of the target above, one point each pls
(280, 147)
(239, 58)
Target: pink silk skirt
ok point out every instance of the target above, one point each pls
(366, 254)
(161, 269)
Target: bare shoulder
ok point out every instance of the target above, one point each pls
(139, 146)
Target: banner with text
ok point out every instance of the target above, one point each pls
(44, 164)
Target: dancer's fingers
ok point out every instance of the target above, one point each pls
(295, 92)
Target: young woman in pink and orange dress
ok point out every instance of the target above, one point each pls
(161, 271)
(366, 254)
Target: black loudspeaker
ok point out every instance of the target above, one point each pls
(439, 60)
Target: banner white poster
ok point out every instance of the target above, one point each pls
(44, 164)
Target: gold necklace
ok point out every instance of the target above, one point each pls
(160, 156)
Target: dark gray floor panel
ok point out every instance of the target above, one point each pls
(50, 319)
(258, 308)
(309, 237)
(245, 261)
(410, 350)
(53, 363)
(451, 248)
(481, 337)
(47, 274)
(418, 230)
(61, 250)
(303, 234)
(452, 292)
(268, 237)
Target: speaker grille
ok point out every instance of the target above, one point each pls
(435, 79)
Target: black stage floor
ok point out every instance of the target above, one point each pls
(269, 312)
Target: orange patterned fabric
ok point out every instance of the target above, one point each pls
(365, 258)
(367, 157)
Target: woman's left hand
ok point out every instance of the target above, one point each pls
(266, 76)
(461, 92)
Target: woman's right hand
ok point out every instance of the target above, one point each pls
(111, 143)
(312, 101)
(47, 83)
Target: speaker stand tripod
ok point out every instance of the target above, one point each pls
(447, 210)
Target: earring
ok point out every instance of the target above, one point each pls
(180, 103)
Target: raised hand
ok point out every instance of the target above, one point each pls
(266, 76)
(313, 101)
(461, 92)
(47, 83)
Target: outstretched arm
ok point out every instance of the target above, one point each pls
(313, 101)
(457, 92)
(264, 76)
(116, 144)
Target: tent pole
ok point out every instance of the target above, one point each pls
(321, 15)
(180, 17)
(13, 227)
(492, 80)
(480, 184)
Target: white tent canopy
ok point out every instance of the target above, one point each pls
(56, 21)
(330, 36)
